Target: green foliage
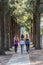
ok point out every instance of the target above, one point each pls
(22, 10)
(41, 8)
(41, 31)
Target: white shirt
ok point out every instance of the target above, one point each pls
(22, 42)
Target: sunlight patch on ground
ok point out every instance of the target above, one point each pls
(18, 59)
(36, 63)
(20, 64)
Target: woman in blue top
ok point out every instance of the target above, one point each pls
(27, 42)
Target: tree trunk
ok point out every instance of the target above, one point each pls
(2, 28)
(36, 26)
(11, 35)
(7, 32)
(34, 31)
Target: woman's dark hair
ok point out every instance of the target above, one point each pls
(22, 36)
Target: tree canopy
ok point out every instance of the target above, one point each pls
(22, 10)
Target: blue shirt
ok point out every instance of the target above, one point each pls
(27, 42)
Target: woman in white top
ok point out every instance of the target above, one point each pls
(22, 42)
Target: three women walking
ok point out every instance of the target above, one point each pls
(23, 42)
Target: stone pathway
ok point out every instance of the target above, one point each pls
(19, 59)
(36, 57)
(5, 58)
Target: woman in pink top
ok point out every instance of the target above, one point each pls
(15, 44)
